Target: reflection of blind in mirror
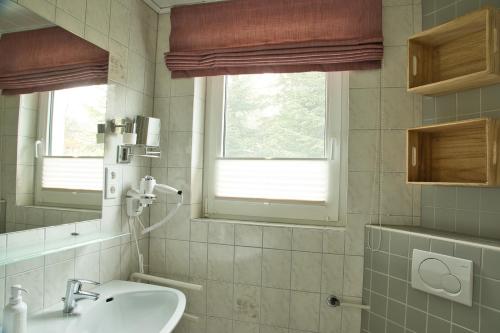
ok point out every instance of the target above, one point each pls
(72, 173)
(301, 180)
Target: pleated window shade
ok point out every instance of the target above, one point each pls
(274, 36)
(49, 59)
(72, 173)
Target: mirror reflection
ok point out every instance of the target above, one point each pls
(53, 97)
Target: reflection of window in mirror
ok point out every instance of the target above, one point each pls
(70, 162)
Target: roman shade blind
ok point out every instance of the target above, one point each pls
(49, 59)
(270, 36)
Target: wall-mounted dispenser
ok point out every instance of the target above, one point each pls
(141, 138)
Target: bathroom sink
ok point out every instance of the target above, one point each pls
(125, 307)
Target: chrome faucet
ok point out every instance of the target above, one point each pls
(74, 294)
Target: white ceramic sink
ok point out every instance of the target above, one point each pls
(125, 307)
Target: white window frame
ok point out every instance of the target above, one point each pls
(272, 210)
(66, 198)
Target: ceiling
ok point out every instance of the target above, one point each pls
(163, 6)
(14, 17)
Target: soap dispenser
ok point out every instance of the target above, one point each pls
(15, 313)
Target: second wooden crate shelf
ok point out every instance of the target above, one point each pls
(463, 153)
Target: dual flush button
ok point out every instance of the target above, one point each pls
(442, 275)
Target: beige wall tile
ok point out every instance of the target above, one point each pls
(247, 265)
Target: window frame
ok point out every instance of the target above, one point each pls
(276, 210)
(57, 197)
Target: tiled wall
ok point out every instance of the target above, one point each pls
(397, 307)
(271, 278)
(376, 187)
(29, 217)
(128, 29)
(465, 210)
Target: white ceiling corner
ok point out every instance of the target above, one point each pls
(163, 6)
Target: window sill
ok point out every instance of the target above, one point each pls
(270, 224)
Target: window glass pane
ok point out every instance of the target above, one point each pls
(275, 116)
(73, 122)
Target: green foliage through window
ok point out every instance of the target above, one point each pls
(275, 116)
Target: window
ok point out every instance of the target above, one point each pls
(274, 146)
(70, 161)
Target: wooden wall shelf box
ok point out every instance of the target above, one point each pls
(463, 153)
(458, 55)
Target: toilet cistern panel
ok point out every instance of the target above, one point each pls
(442, 275)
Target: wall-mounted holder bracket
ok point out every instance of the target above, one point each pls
(126, 152)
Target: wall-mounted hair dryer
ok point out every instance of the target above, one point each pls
(138, 199)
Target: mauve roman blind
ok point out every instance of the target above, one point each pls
(49, 59)
(270, 36)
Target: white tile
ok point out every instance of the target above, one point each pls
(363, 150)
(221, 233)
(179, 149)
(364, 108)
(119, 22)
(248, 235)
(332, 274)
(306, 271)
(307, 240)
(157, 255)
(177, 258)
(364, 79)
(118, 62)
(199, 231)
(394, 66)
(219, 325)
(333, 241)
(363, 191)
(276, 268)
(75, 8)
(87, 266)
(110, 264)
(351, 321)
(330, 319)
(98, 13)
(397, 108)
(246, 303)
(353, 275)
(33, 281)
(304, 311)
(220, 299)
(136, 69)
(354, 234)
(394, 151)
(275, 307)
(220, 262)
(69, 23)
(247, 265)
(397, 24)
(40, 7)
(198, 260)
(277, 238)
(396, 195)
(182, 87)
(56, 277)
(244, 327)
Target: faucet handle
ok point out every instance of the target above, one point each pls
(76, 284)
(81, 281)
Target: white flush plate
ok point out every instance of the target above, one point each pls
(442, 275)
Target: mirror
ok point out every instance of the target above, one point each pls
(51, 161)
